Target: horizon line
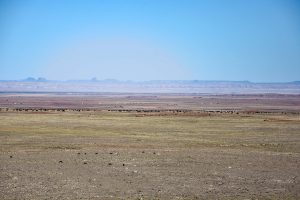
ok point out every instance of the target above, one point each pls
(94, 79)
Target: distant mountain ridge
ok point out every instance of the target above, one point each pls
(42, 79)
(155, 86)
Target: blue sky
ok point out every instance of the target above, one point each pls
(256, 40)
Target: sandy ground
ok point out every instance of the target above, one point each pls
(110, 173)
(112, 155)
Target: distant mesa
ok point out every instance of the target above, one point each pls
(41, 79)
(31, 79)
(94, 79)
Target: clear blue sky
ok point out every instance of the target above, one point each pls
(257, 40)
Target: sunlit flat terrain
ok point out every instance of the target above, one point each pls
(148, 155)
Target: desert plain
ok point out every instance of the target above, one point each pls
(149, 146)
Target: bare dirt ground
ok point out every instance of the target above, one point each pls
(149, 146)
(118, 101)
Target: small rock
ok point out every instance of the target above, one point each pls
(96, 153)
(123, 164)
(143, 151)
(78, 153)
(110, 152)
(84, 162)
(220, 183)
(154, 153)
(10, 156)
(60, 161)
(84, 153)
(109, 163)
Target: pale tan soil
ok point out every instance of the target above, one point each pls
(149, 155)
(195, 173)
